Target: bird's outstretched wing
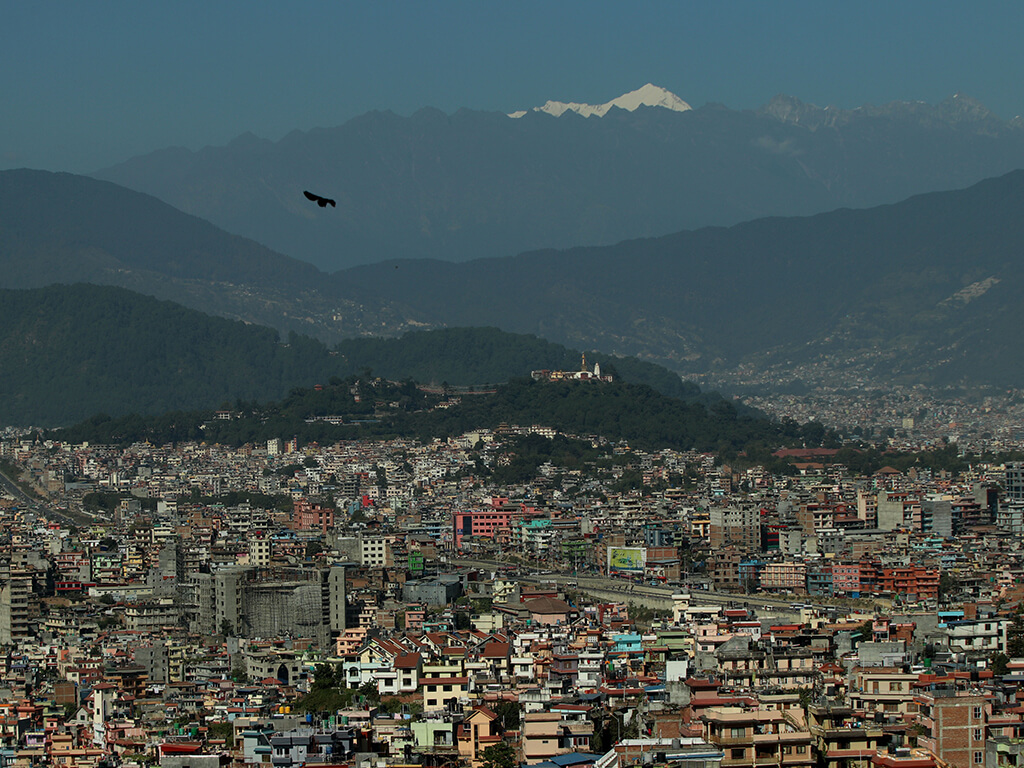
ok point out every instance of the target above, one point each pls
(323, 202)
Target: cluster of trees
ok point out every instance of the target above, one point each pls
(374, 408)
(526, 453)
(619, 411)
(108, 501)
(482, 356)
(867, 461)
(329, 693)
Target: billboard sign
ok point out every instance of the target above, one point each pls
(626, 559)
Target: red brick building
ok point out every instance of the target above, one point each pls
(954, 726)
(914, 582)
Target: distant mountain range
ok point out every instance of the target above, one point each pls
(481, 184)
(924, 291)
(62, 228)
(647, 96)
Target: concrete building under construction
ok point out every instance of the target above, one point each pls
(256, 602)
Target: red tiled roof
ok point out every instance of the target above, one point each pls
(495, 650)
(407, 661)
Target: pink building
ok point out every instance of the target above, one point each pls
(481, 522)
(785, 575)
(312, 517)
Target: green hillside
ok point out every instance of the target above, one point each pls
(71, 352)
(68, 352)
(475, 356)
(377, 408)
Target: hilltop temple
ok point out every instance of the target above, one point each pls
(583, 374)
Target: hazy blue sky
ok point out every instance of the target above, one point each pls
(87, 84)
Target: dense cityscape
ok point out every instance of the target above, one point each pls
(393, 603)
(511, 385)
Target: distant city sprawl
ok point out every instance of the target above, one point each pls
(509, 595)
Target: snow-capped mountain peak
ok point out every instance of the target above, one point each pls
(647, 96)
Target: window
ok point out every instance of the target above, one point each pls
(737, 754)
(979, 758)
(801, 749)
(977, 712)
(737, 733)
(977, 734)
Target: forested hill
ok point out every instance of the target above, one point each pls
(475, 356)
(70, 352)
(333, 412)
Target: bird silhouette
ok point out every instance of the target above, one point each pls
(323, 202)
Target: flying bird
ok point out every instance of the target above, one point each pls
(323, 202)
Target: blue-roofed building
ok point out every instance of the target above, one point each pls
(945, 617)
(684, 751)
(569, 760)
(628, 643)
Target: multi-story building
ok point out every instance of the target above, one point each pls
(478, 731)
(260, 549)
(271, 602)
(725, 569)
(1014, 480)
(758, 737)
(15, 591)
(853, 579)
(750, 574)
(309, 516)
(480, 522)
(449, 692)
(739, 526)
(819, 579)
(896, 510)
(151, 616)
(912, 582)
(786, 575)
(547, 734)
(1010, 518)
(842, 738)
(886, 690)
(867, 508)
(954, 725)
(373, 551)
(979, 636)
